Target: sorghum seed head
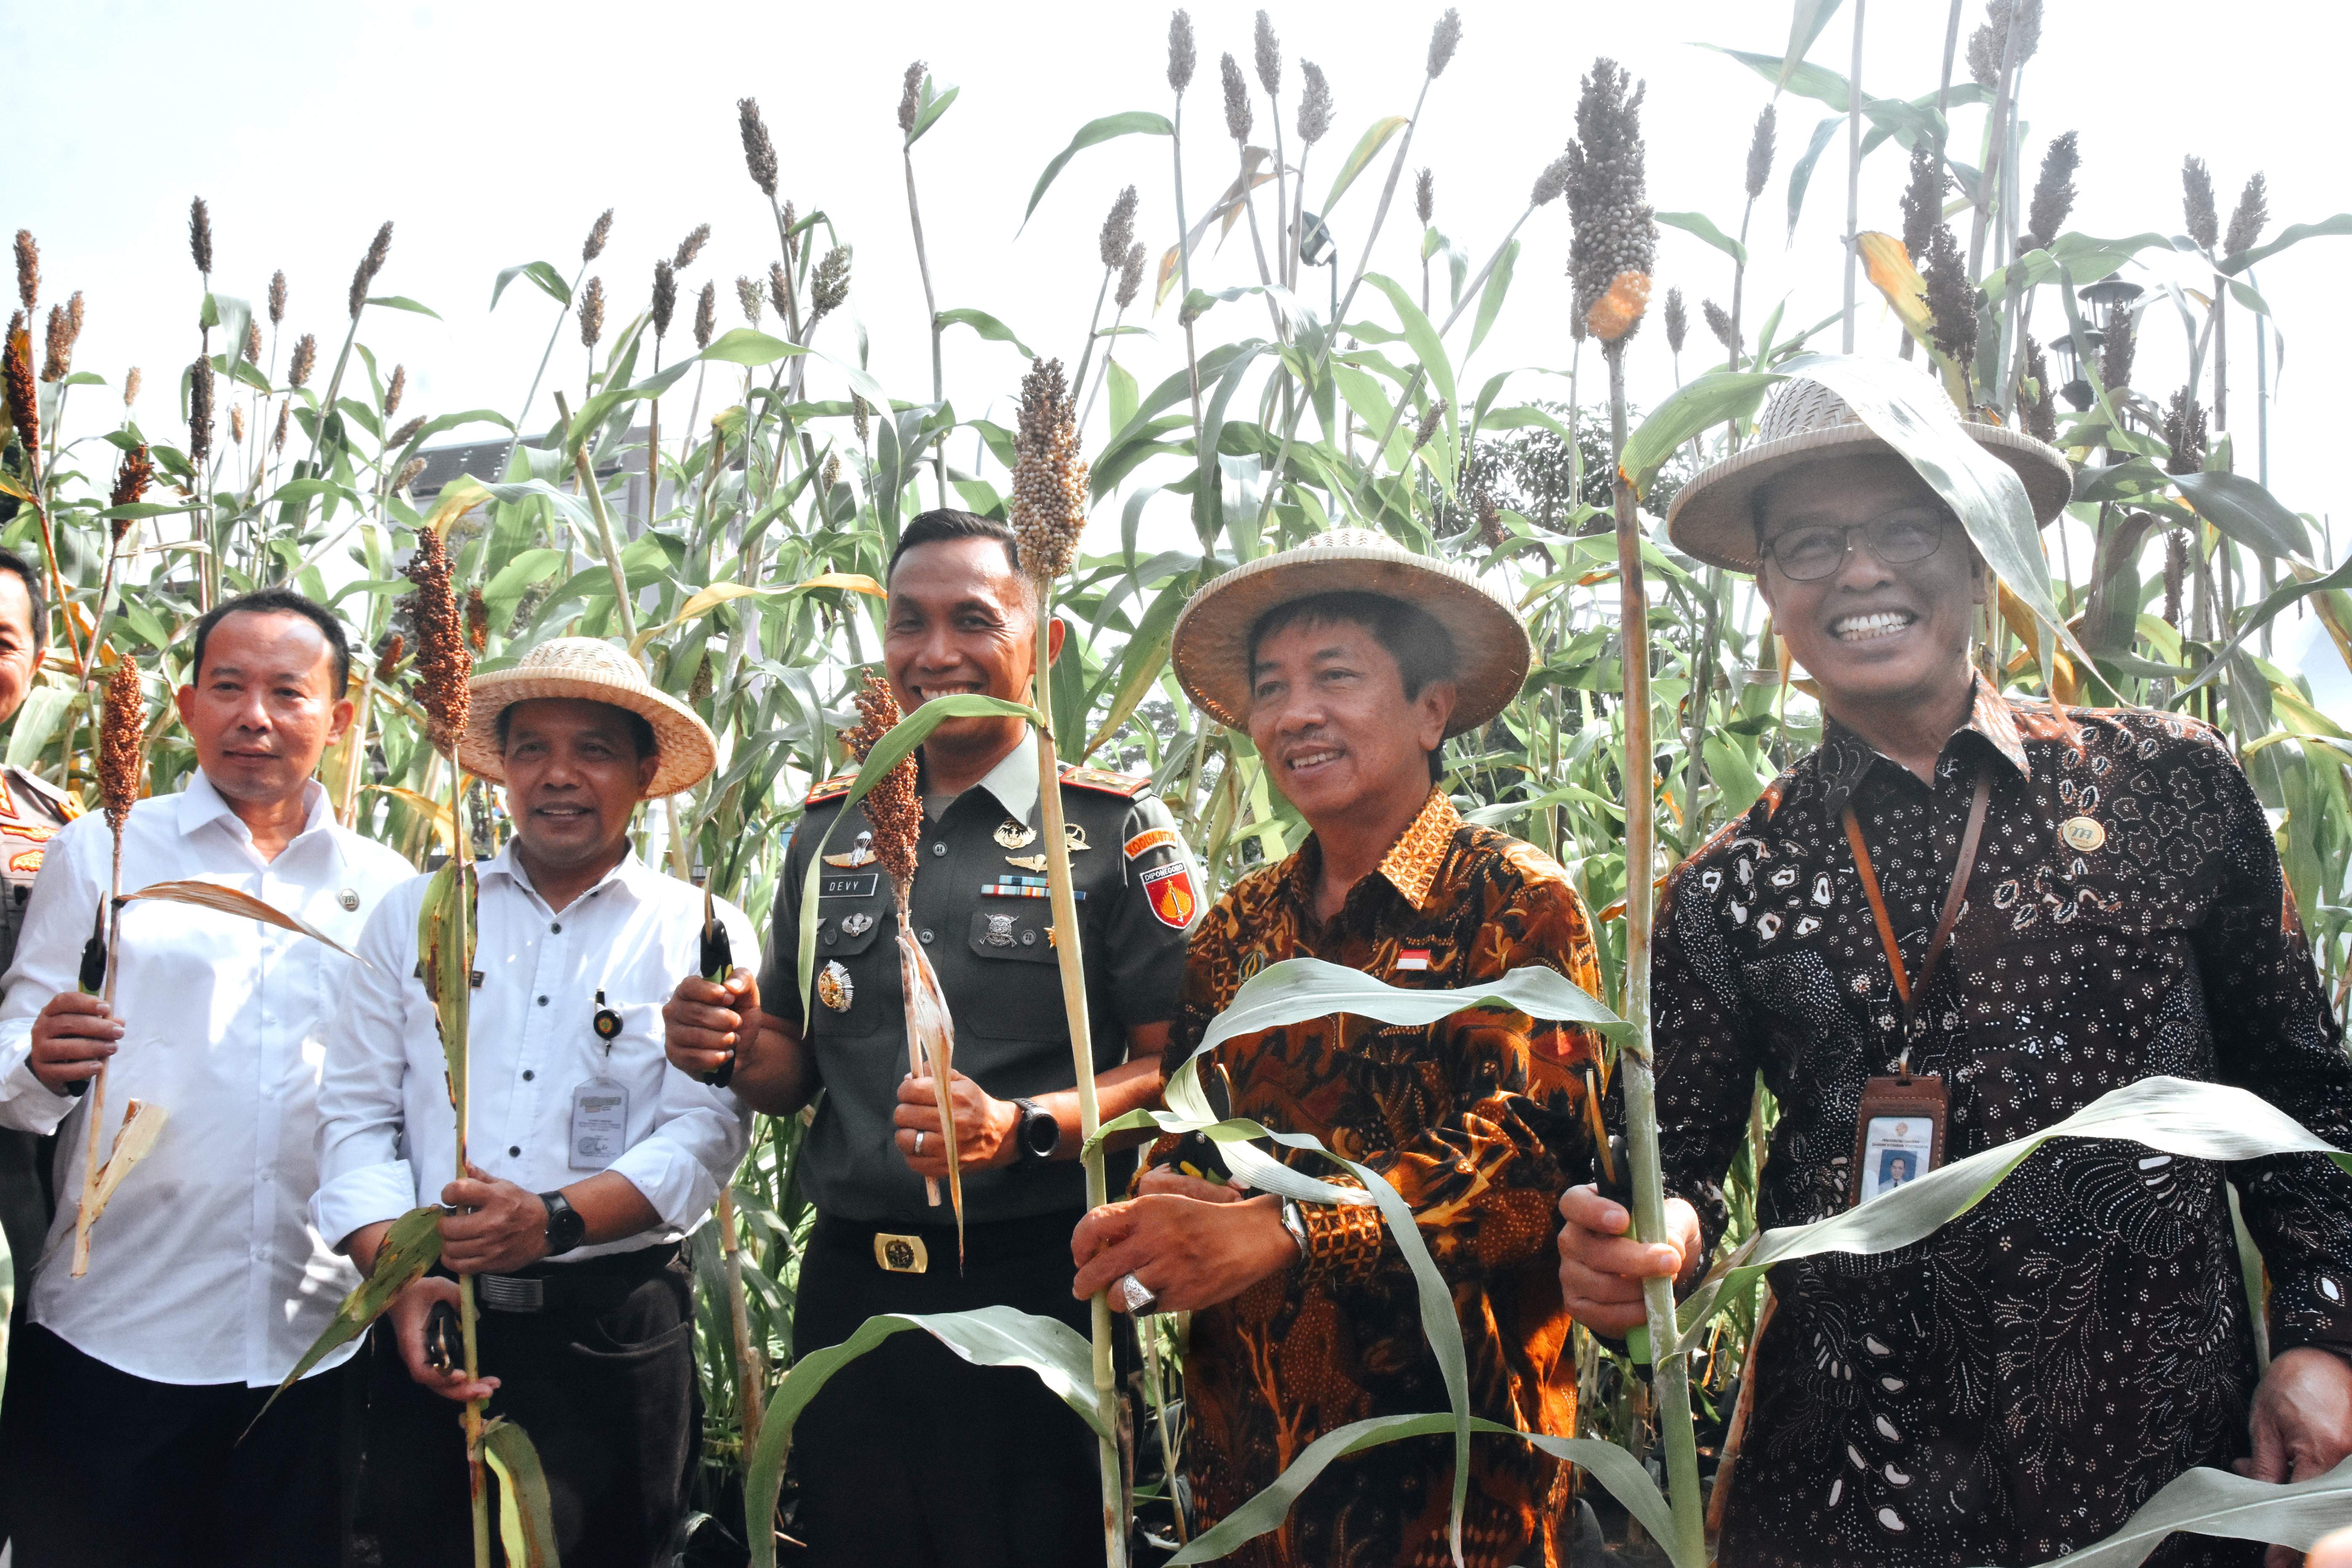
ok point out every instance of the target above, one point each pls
(236, 427)
(747, 295)
(911, 96)
(200, 411)
(1718, 321)
(1269, 56)
(692, 247)
(2039, 411)
(1443, 39)
(57, 353)
(1433, 419)
(2054, 194)
(1923, 201)
(664, 297)
(591, 312)
(1117, 231)
(1314, 104)
(1550, 183)
(598, 233)
(29, 270)
(131, 387)
(306, 360)
(200, 234)
(16, 378)
(894, 806)
(1677, 320)
(2184, 434)
(2119, 339)
(2196, 203)
(252, 343)
(780, 289)
(442, 661)
(285, 418)
(759, 151)
(706, 316)
(396, 390)
(121, 731)
(1181, 55)
(1130, 275)
(860, 414)
(277, 298)
(1424, 195)
(404, 435)
(131, 481)
(370, 264)
(829, 284)
(388, 660)
(1951, 298)
(1049, 482)
(1760, 151)
(2245, 224)
(1615, 240)
(478, 621)
(1239, 117)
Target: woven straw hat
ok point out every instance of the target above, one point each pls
(1210, 647)
(596, 671)
(1713, 517)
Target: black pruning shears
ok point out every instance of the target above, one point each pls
(717, 963)
(92, 977)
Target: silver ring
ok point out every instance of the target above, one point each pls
(919, 1144)
(1136, 1296)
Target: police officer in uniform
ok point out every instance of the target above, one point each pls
(910, 1456)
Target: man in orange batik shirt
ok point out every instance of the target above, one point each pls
(1349, 661)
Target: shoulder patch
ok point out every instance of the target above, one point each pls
(1107, 781)
(830, 789)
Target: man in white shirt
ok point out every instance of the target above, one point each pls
(592, 1156)
(128, 1392)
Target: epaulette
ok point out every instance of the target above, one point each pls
(67, 803)
(830, 789)
(1103, 779)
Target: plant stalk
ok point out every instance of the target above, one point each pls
(1072, 960)
(751, 1373)
(1670, 1371)
(931, 314)
(1853, 180)
(98, 1090)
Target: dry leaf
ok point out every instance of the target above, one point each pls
(142, 1123)
(230, 902)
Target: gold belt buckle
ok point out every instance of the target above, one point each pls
(901, 1253)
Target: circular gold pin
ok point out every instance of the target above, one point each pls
(2083, 833)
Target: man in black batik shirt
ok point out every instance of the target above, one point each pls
(2016, 1384)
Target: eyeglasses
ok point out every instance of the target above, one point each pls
(1810, 554)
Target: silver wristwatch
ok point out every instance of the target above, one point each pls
(1295, 1222)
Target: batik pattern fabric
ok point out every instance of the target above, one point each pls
(2015, 1386)
(1478, 1123)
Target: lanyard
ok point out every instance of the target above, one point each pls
(1953, 898)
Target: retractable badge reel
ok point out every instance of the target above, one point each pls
(600, 1107)
(1899, 1130)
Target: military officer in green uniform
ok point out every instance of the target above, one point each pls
(910, 1456)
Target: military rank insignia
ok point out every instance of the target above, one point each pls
(835, 988)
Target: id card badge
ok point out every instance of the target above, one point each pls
(1899, 1134)
(600, 1123)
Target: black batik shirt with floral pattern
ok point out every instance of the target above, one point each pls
(2018, 1383)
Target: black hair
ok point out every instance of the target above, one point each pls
(641, 731)
(947, 522)
(277, 602)
(1423, 649)
(12, 562)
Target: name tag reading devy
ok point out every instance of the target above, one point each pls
(600, 1123)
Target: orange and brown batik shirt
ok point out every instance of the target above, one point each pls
(1477, 1121)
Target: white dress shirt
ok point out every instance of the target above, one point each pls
(204, 1268)
(387, 1136)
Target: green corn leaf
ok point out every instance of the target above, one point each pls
(1806, 21)
(888, 753)
(1134, 122)
(2192, 1119)
(2293, 234)
(2235, 1507)
(550, 282)
(1490, 298)
(987, 326)
(1692, 407)
(2247, 512)
(990, 1336)
(1704, 227)
(446, 934)
(526, 1519)
(403, 302)
(1611, 1465)
(411, 1247)
(1367, 147)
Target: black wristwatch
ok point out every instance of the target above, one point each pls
(565, 1227)
(1039, 1134)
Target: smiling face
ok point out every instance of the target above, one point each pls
(573, 780)
(1873, 633)
(262, 709)
(1341, 740)
(19, 651)
(961, 621)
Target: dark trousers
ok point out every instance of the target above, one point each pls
(913, 1457)
(602, 1380)
(104, 1469)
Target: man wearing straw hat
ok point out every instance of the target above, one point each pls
(1963, 918)
(1349, 661)
(595, 1158)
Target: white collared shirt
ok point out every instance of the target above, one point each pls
(387, 1136)
(204, 1268)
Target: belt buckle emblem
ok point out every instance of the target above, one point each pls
(901, 1253)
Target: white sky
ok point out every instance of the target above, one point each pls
(492, 134)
